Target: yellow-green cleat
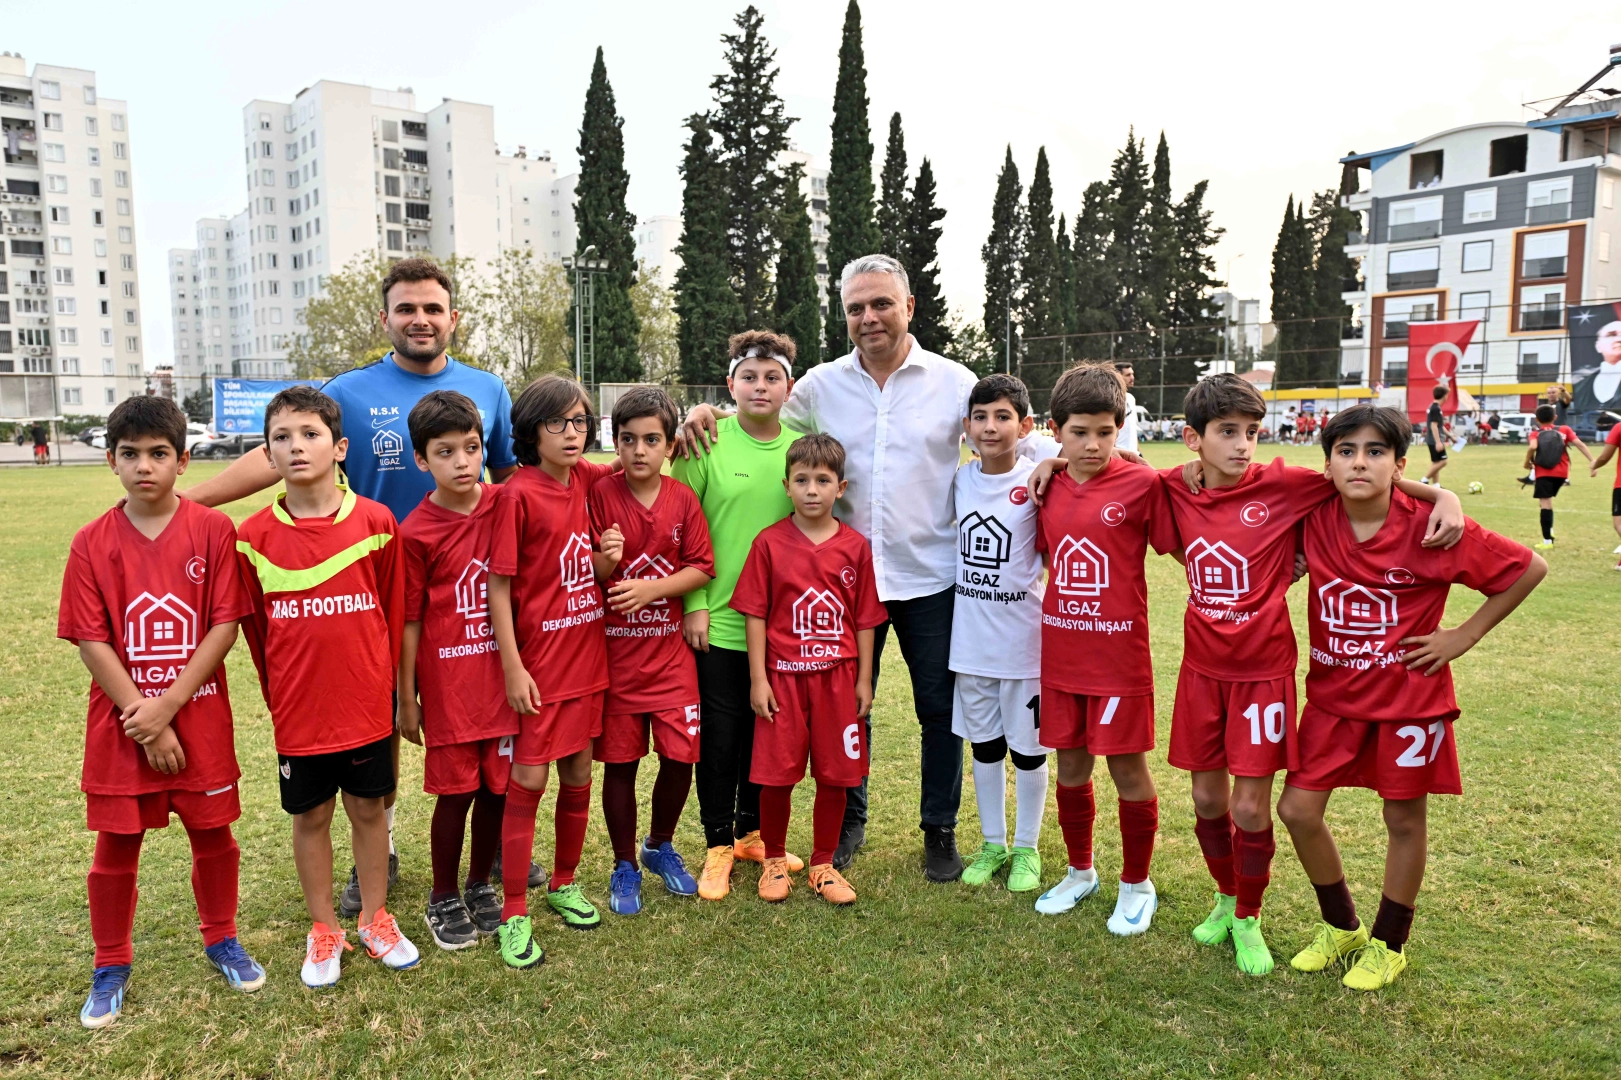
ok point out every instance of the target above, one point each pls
(1218, 925)
(1249, 947)
(1376, 967)
(1024, 870)
(1330, 946)
(991, 858)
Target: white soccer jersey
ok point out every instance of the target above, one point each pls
(996, 621)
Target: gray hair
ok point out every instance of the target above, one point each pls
(874, 264)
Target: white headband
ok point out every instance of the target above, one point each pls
(760, 352)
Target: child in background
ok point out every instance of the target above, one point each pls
(1549, 458)
(152, 598)
(1612, 442)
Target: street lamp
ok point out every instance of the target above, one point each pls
(585, 267)
(1227, 317)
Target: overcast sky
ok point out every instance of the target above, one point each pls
(1259, 99)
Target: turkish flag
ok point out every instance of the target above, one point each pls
(1434, 351)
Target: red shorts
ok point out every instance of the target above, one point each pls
(625, 735)
(1398, 759)
(462, 767)
(558, 730)
(1102, 726)
(1246, 728)
(137, 813)
(816, 720)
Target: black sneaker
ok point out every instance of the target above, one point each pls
(451, 925)
(349, 902)
(941, 863)
(393, 869)
(853, 837)
(483, 906)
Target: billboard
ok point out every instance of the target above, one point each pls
(239, 404)
(1434, 351)
(1595, 357)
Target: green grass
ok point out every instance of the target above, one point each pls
(1515, 950)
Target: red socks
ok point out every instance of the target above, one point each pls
(1139, 821)
(1392, 924)
(1076, 812)
(1255, 851)
(517, 848)
(111, 883)
(1216, 842)
(215, 860)
(488, 808)
(826, 820)
(1337, 908)
(445, 835)
(669, 799)
(573, 808)
(775, 805)
(619, 807)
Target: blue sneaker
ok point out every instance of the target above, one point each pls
(233, 961)
(106, 1000)
(625, 889)
(666, 862)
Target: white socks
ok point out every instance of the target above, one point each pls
(1030, 799)
(388, 813)
(990, 794)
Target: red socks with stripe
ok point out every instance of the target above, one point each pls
(1076, 813)
(573, 809)
(215, 861)
(776, 804)
(1216, 842)
(1139, 821)
(826, 821)
(1255, 851)
(517, 848)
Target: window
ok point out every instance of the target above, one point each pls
(1547, 201)
(1415, 219)
(118, 121)
(95, 186)
(52, 121)
(126, 262)
(111, 394)
(275, 315)
(132, 344)
(107, 340)
(37, 365)
(418, 211)
(62, 245)
(270, 232)
(291, 149)
(1474, 305)
(50, 89)
(391, 131)
(90, 126)
(55, 152)
(129, 316)
(391, 213)
(1480, 205)
(1603, 247)
(70, 365)
(1477, 256)
(1542, 307)
(1508, 155)
(67, 336)
(67, 305)
(267, 177)
(1544, 254)
(129, 289)
(292, 178)
(106, 307)
(59, 215)
(272, 288)
(63, 275)
(1426, 169)
(90, 95)
(123, 207)
(395, 240)
(391, 158)
(56, 185)
(270, 261)
(97, 218)
(1415, 268)
(126, 235)
(391, 186)
(101, 278)
(120, 178)
(71, 395)
(101, 247)
(1607, 193)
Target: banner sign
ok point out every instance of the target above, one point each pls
(239, 404)
(1434, 351)
(1595, 357)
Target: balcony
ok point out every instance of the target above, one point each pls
(1549, 316)
(22, 157)
(1534, 372)
(1395, 331)
(415, 129)
(1354, 332)
(1543, 268)
(1415, 230)
(1414, 279)
(1353, 238)
(1395, 375)
(413, 167)
(1547, 214)
(22, 99)
(1351, 378)
(1353, 285)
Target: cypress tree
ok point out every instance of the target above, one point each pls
(704, 299)
(921, 257)
(892, 212)
(1292, 299)
(1095, 286)
(851, 230)
(1130, 248)
(1332, 315)
(799, 301)
(1160, 268)
(1041, 281)
(1195, 340)
(753, 129)
(1068, 316)
(603, 221)
(1002, 255)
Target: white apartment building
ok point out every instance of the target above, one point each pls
(656, 240)
(70, 317)
(203, 328)
(813, 185)
(535, 206)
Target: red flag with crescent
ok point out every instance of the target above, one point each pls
(1434, 353)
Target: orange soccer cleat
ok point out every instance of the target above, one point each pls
(774, 881)
(715, 882)
(830, 885)
(752, 849)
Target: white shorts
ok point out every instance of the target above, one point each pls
(983, 709)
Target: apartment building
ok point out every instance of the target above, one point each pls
(70, 317)
(535, 206)
(813, 185)
(198, 305)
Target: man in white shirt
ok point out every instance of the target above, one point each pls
(1127, 439)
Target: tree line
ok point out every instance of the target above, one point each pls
(1309, 271)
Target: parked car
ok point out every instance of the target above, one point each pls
(234, 445)
(1515, 427)
(89, 435)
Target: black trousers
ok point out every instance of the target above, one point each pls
(923, 627)
(728, 803)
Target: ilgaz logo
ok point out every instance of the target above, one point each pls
(1216, 573)
(1349, 608)
(472, 590)
(1080, 567)
(389, 447)
(818, 614)
(647, 567)
(575, 562)
(984, 541)
(159, 628)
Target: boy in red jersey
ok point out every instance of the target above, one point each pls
(152, 598)
(810, 606)
(1235, 695)
(327, 583)
(546, 612)
(448, 656)
(1097, 678)
(1548, 456)
(652, 677)
(1379, 699)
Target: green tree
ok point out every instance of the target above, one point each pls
(1159, 271)
(603, 222)
(931, 323)
(1192, 339)
(753, 131)
(1293, 302)
(851, 230)
(528, 329)
(892, 209)
(660, 338)
(1002, 254)
(341, 326)
(199, 405)
(1095, 286)
(1130, 251)
(1334, 269)
(706, 304)
(971, 347)
(799, 301)
(1069, 317)
(1039, 310)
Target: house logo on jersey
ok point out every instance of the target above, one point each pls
(818, 614)
(159, 628)
(647, 567)
(1080, 567)
(1216, 573)
(1349, 608)
(984, 541)
(472, 591)
(575, 562)
(389, 448)
(1254, 513)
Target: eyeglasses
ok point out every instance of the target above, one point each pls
(558, 424)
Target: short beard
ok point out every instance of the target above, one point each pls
(404, 347)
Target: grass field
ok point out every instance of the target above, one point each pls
(1515, 952)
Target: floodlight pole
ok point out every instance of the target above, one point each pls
(585, 268)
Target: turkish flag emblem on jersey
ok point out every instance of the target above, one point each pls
(1434, 352)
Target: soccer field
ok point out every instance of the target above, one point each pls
(1515, 951)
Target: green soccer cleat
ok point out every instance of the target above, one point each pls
(1376, 967)
(1249, 947)
(991, 858)
(578, 913)
(1024, 870)
(517, 939)
(1218, 925)
(1330, 946)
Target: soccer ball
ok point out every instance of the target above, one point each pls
(1476, 487)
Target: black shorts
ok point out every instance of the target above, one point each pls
(1615, 502)
(1547, 487)
(366, 772)
(1437, 453)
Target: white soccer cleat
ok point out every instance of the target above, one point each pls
(323, 948)
(1617, 550)
(385, 942)
(1076, 886)
(1134, 908)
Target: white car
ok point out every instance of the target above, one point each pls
(1515, 427)
(196, 435)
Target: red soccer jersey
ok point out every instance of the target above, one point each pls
(1094, 614)
(458, 668)
(154, 601)
(543, 543)
(1240, 547)
(649, 665)
(1614, 439)
(813, 597)
(1366, 597)
(1561, 470)
(329, 604)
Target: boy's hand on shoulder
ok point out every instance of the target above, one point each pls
(149, 717)
(1193, 476)
(1300, 567)
(408, 718)
(164, 754)
(1438, 649)
(1130, 455)
(630, 595)
(863, 698)
(695, 628)
(762, 700)
(1446, 521)
(612, 543)
(1042, 475)
(522, 693)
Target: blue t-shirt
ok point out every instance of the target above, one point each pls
(377, 400)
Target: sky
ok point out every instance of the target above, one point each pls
(1259, 99)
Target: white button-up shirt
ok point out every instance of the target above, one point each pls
(902, 446)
